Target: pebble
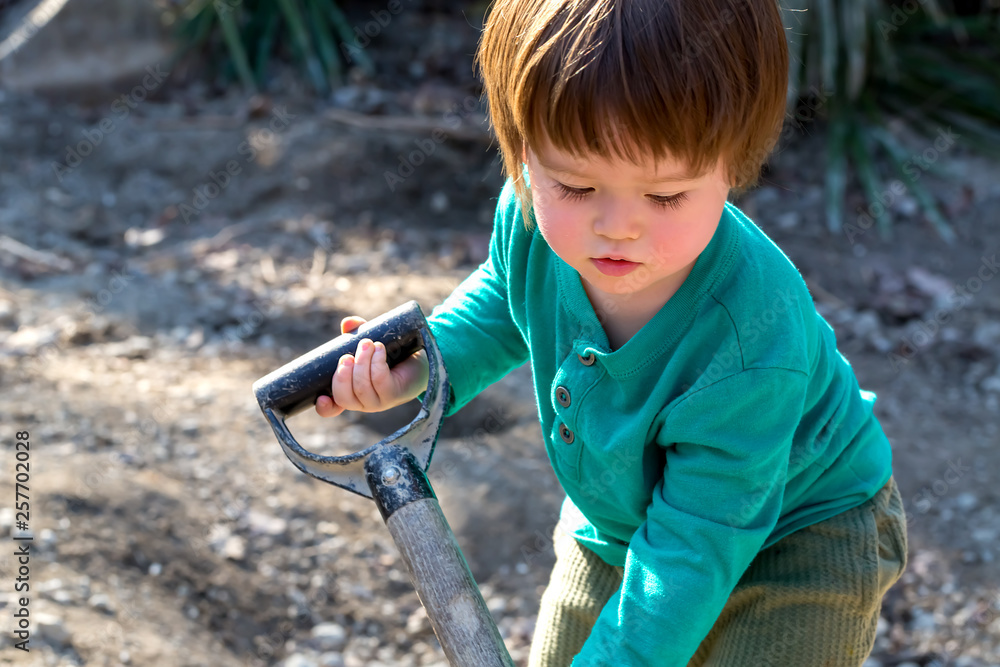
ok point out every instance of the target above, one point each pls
(882, 627)
(235, 548)
(266, 524)
(299, 660)
(51, 629)
(331, 659)
(101, 602)
(788, 220)
(8, 315)
(329, 636)
(965, 501)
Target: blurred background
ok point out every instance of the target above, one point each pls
(194, 193)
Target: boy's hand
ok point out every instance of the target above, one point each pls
(367, 384)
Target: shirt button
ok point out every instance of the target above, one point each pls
(587, 360)
(567, 435)
(562, 395)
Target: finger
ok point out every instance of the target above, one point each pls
(325, 407)
(411, 375)
(384, 383)
(343, 384)
(351, 323)
(363, 388)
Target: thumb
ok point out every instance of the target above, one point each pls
(350, 323)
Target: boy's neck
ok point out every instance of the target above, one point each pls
(622, 316)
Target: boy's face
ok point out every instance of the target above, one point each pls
(659, 221)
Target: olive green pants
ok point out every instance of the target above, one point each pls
(812, 599)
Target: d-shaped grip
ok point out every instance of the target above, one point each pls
(295, 386)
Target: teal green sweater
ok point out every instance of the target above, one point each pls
(728, 421)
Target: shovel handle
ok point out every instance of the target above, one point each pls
(295, 386)
(440, 574)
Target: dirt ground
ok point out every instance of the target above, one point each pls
(204, 240)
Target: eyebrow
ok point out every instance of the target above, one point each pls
(667, 179)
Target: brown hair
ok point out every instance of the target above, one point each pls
(697, 80)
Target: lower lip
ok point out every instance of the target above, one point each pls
(615, 267)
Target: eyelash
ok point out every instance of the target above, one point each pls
(673, 201)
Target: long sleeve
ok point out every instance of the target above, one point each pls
(726, 457)
(474, 328)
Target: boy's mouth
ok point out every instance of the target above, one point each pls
(614, 267)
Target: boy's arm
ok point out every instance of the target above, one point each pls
(474, 327)
(718, 500)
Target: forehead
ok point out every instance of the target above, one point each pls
(590, 167)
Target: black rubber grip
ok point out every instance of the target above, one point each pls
(295, 386)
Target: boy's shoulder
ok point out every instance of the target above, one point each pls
(767, 301)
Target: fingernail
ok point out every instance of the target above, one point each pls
(365, 344)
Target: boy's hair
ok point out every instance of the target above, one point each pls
(696, 80)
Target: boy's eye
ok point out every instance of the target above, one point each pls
(673, 201)
(571, 193)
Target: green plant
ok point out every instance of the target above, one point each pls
(912, 61)
(244, 36)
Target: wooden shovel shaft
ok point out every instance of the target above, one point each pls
(445, 585)
(437, 567)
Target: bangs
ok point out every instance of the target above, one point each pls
(690, 81)
(611, 80)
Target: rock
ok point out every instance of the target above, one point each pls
(133, 347)
(265, 524)
(299, 660)
(51, 630)
(189, 426)
(49, 586)
(418, 622)
(439, 202)
(984, 534)
(966, 501)
(8, 315)
(991, 384)
(882, 627)
(101, 602)
(329, 636)
(331, 659)
(235, 548)
(788, 220)
(28, 340)
(987, 334)
(47, 538)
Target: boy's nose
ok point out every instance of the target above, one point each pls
(618, 223)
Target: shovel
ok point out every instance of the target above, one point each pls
(391, 472)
